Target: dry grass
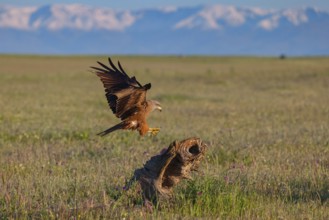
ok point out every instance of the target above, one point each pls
(265, 119)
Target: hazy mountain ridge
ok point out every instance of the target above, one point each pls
(215, 29)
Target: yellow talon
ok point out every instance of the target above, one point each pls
(154, 131)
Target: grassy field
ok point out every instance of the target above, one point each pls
(266, 122)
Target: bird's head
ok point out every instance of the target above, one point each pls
(155, 105)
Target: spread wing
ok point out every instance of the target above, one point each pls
(125, 95)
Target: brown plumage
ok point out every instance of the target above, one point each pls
(126, 98)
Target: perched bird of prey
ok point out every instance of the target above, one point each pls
(127, 99)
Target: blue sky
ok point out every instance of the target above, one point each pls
(136, 4)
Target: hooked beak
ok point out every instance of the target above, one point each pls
(159, 108)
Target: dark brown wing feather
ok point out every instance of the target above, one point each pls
(133, 99)
(125, 95)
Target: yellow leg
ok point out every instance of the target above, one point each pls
(154, 131)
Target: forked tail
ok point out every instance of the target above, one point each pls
(122, 125)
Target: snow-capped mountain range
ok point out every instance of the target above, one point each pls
(211, 30)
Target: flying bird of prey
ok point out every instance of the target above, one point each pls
(127, 99)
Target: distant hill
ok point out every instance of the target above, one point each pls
(209, 30)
